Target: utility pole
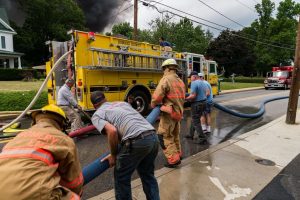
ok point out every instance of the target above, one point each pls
(135, 33)
(294, 92)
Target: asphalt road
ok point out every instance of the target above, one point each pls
(224, 127)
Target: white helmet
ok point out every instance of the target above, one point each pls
(170, 63)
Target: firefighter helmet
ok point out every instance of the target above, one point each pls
(170, 63)
(53, 109)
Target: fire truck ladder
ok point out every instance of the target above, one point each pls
(126, 61)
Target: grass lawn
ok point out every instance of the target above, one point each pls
(230, 85)
(7, 86)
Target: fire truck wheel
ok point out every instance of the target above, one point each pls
(142, 102)
(266, 88)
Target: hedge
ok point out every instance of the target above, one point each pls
(245, 79)
(18, 101)
(19, 74)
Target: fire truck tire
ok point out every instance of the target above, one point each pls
(266, 88)
(142, 101)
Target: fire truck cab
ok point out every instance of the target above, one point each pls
(279, 77)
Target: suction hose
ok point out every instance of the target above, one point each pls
(97, 167)
(37, 94)
(252, 115)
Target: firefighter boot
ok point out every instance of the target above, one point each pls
(173, 161)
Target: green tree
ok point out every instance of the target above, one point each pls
(283, 30)
(183, 34)
(262, 26)
(45, 20)
(279, 31)
(233, 53)
(124, 29)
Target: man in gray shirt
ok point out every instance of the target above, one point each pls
(66, 101)
(138, 145)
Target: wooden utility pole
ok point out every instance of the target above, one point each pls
(294, 92)
(135, 29)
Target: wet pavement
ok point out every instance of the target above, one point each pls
(239, 168)
(224, 127)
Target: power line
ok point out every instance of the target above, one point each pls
(218, 29)
(121, 6)
(237, 22)
(221, 14)
(245, 5)
(244, 35)
(116, 15)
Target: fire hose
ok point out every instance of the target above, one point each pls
(37, 94)
(97, 167)
(260, 112)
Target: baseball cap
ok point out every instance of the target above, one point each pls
(97, 97)
(200, 74)
(193, 73)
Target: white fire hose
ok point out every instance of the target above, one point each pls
(37, 94)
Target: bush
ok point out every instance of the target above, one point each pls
(242, 79)
(19, 74)
(18, 101)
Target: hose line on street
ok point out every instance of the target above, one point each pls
(37, 94)
(252, 115)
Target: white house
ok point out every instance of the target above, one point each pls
(8, 57)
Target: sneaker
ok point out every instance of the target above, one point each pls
(168, 165)
(189, 137)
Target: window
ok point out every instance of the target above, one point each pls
(3, 45)
(212, 68)
(196, 64)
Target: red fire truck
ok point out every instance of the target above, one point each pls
(279, 77)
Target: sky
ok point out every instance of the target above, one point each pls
(241, 11)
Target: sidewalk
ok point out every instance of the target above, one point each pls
(237, 169)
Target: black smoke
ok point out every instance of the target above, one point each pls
(102, 13)
(98, 13)
(14, 11)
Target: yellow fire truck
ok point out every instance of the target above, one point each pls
(118, 67)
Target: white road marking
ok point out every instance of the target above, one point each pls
(236, 191)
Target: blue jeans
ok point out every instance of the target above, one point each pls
(140, 155)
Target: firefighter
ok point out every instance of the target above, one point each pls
(170, 92)
(41, 162)
(66, 100)
(137, 141)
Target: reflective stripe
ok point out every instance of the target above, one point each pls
(72, 184)
(39, 154)
(157, 98)
(75, 197)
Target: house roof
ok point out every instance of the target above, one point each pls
(4, 22)
(9, 53)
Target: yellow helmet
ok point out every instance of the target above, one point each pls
(170, 63)
(51, 108)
